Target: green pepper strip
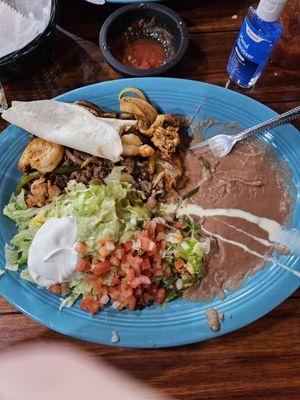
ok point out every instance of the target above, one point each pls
(66, 169)
(26, 179)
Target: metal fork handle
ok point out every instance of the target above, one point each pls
(281, 119)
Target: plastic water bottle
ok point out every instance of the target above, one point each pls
(255, 43)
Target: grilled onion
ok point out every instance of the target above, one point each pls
(139, 107)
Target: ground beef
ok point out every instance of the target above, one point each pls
(91, 173)
(145, 186)
(83, 176)
(141, 171)
(81, 156)
(60, 181)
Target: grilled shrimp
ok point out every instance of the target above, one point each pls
(41, 155)
(133, 146)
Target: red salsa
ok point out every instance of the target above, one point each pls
(140, 53)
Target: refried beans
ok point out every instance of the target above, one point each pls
(245, 180)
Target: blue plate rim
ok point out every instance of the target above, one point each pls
(282, 291)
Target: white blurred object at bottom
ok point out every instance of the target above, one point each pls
(50, 371)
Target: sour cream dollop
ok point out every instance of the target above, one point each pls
(52, 257)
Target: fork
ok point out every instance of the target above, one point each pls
(221, 145)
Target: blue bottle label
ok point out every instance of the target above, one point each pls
(249, 55)
(252, 45)
(241, 66)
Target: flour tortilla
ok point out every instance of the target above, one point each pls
(69, 125)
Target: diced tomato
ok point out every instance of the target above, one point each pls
(132, 302)
(157, 272)
(84, 265)
(146, 264)
(124, 258)
(150, 227)
(126, 287)
(55, 289)
(137, 269)
(140, 280)
(134, 260)
(65, 288)
(90, 278)
(124, 294)
(98, 286)
(178, 264)
(160, 296)
(189, 268)
(138, 292)
(114, 261)
(119, 253)
(114, 292)
(130, 275)
(157, 256)
(148, 298)
(124, 268)
(101, 268)
(140, 234)
(147, 244)
(110, 246)
(81, 248)
(146, 225)
(90, 303)
(160, 236)
(104, 252)
(115, 281)
(127, 246)
(163, 244)
(102, 242)
(180, 225)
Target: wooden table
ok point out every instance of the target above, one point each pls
(259, 361)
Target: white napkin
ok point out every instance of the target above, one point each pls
(98, 2)
(21, 21)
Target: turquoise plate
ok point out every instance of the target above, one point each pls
(181, 322)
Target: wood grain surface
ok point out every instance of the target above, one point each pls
(260, 361)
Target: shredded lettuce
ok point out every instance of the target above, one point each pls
(11, 255)
(78, 287)
(26, 276)
(191, 252)
(17, 210)
(101, 211)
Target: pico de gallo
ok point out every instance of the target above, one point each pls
(156, 266)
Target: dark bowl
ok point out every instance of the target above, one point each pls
(35, 54)
(165, 19)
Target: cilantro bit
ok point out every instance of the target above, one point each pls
(191, 226)
(172, 296)
(191, 193)
(205, 163)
